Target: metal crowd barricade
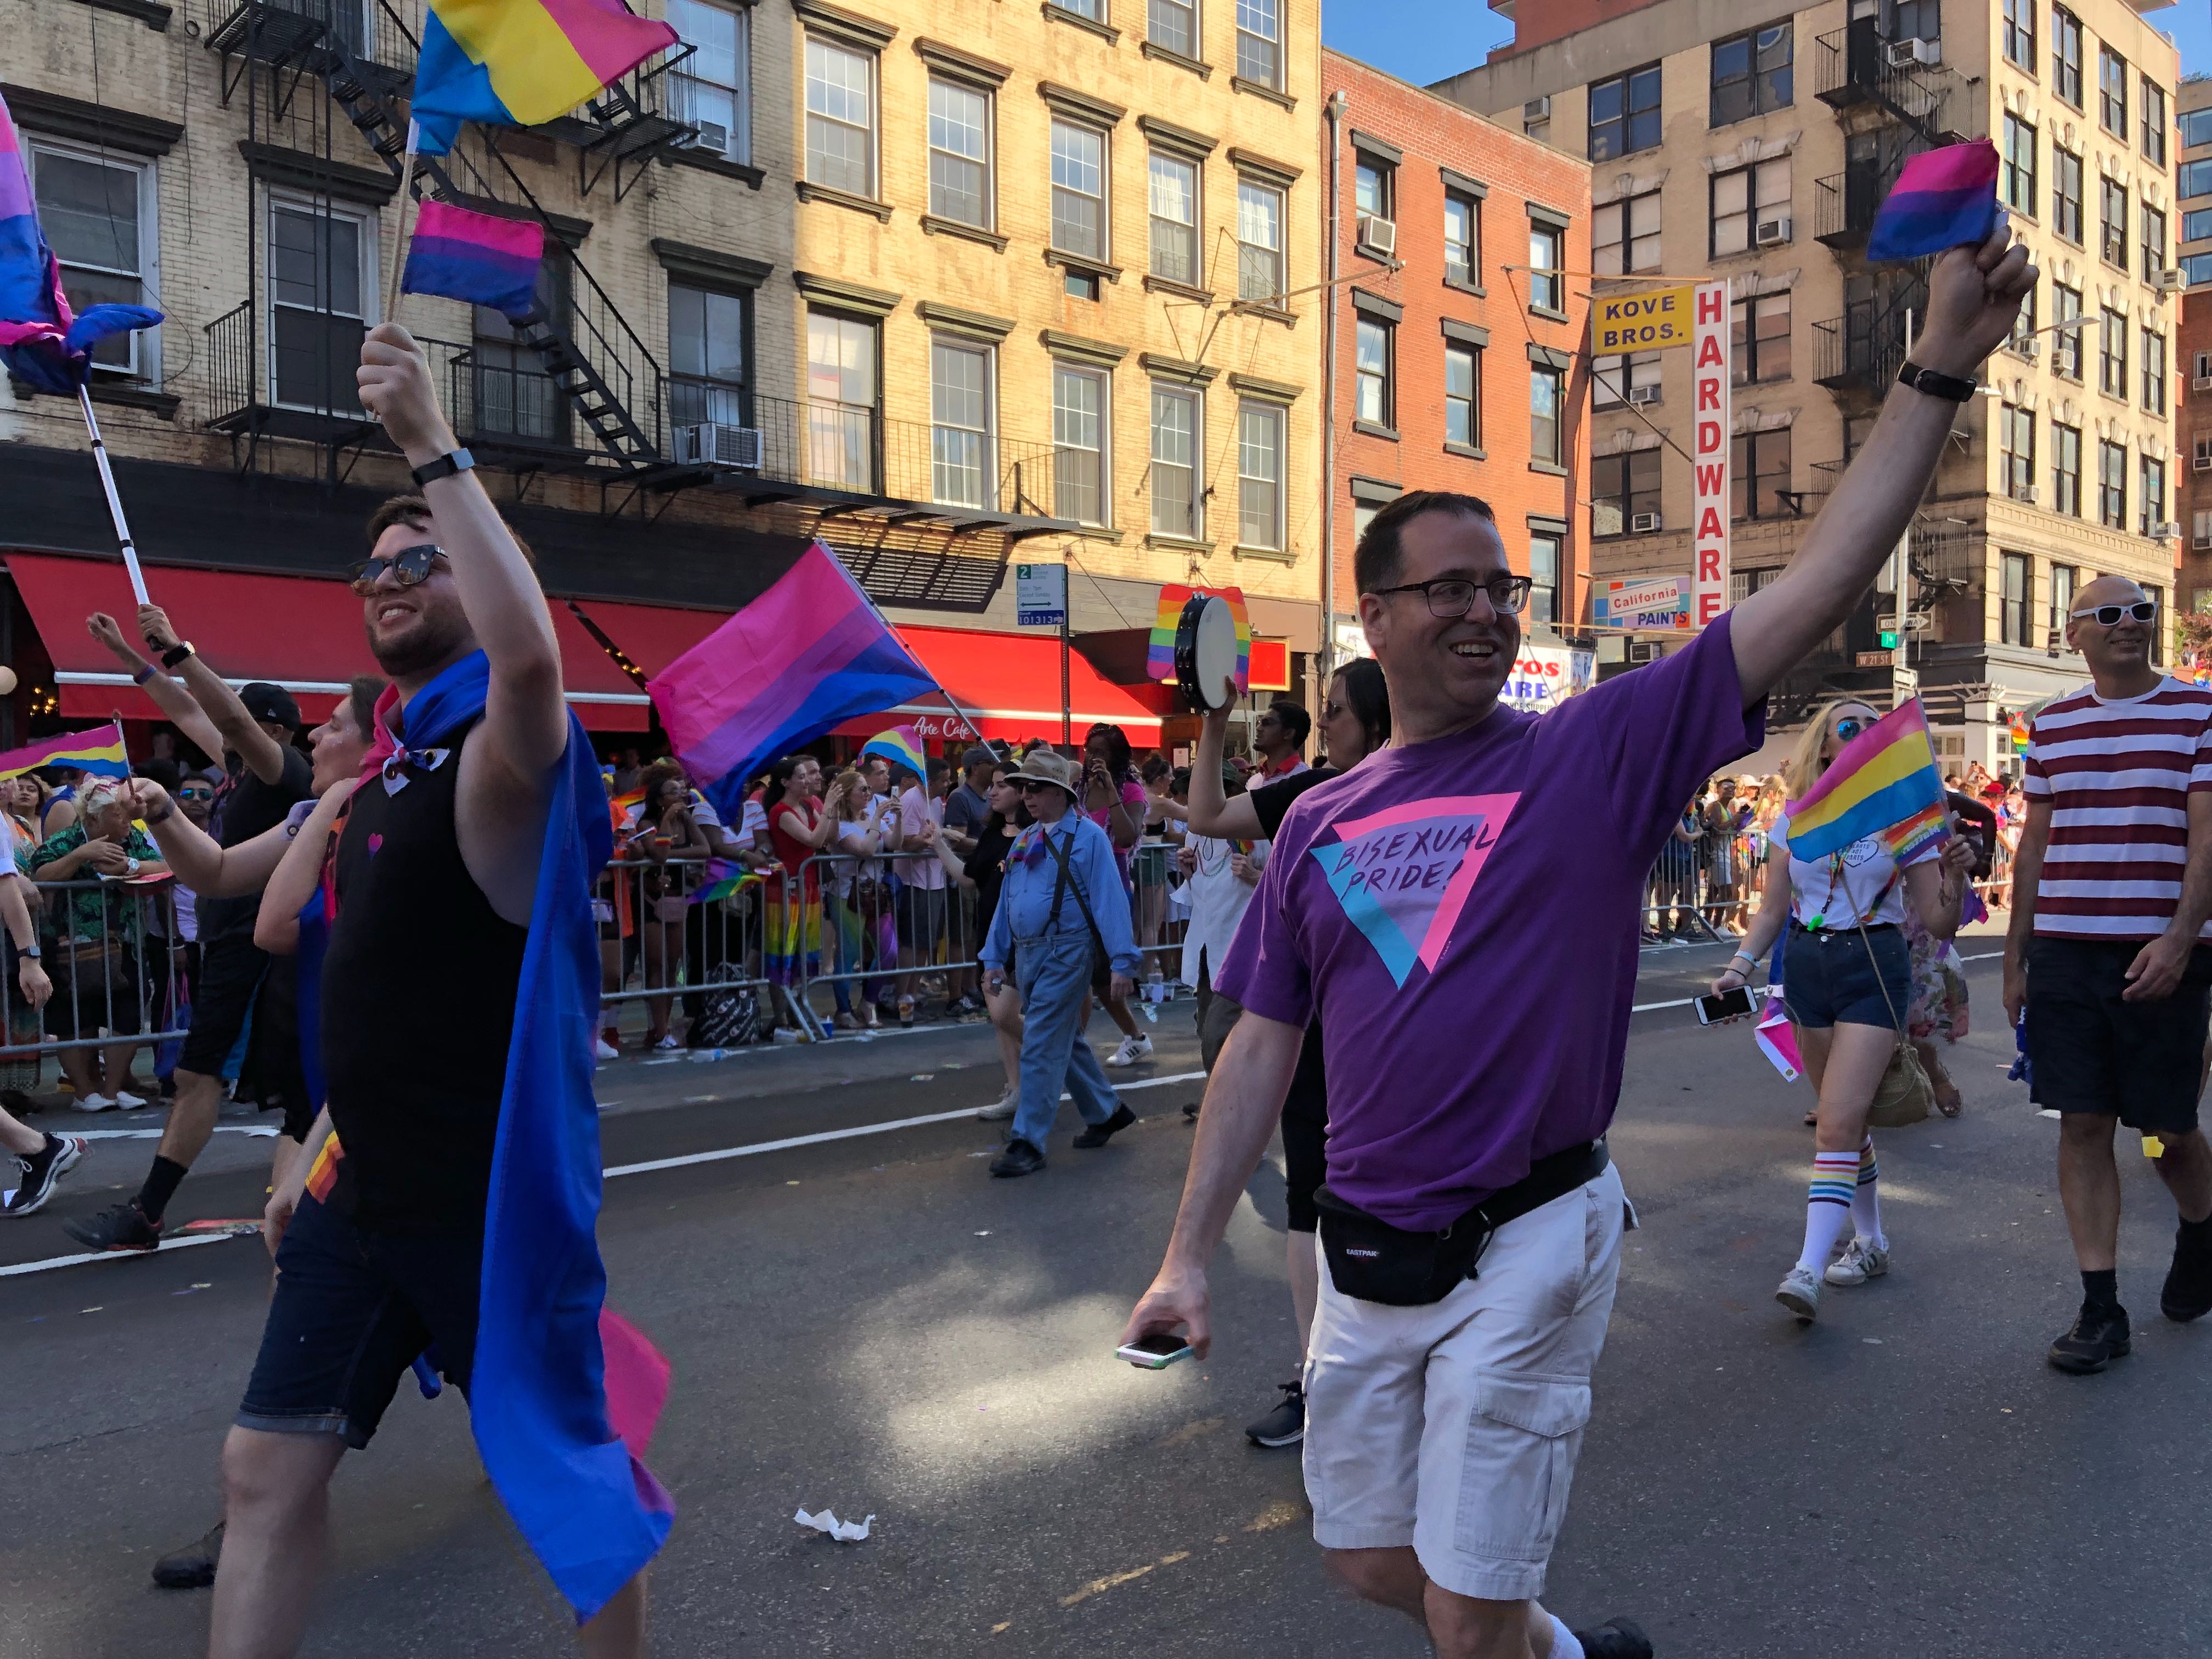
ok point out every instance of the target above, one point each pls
(882, 939)
(668, 932)
(113, 952)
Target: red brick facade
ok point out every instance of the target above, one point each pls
(2192, 437)
(1431, 149)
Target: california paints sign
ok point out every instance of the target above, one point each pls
(1709, 458)
(1653, 604)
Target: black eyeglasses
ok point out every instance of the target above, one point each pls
(2108, 615)
(1454, 596)
(410, 565)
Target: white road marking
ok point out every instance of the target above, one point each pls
(167, 1245)
(1684, 1002)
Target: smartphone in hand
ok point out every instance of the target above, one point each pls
(1154, 1352)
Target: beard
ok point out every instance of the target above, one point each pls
(434, 638)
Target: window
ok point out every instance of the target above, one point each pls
(1547, 285)
(2153, 372)
(2066, 55)
(2066, 343)
(2196, 269)
(961, 470)
(2019, 579)
(711, 88)
(1258, 42)
(2023, 326)
(2065, 581)
(2112, 355)
(1374, 193)
(1370, 371)
(1174, 198)
(1751, 74)
(2157, 597)
(1079, 445)
(709, 357)
(1259, 243)
(1614, 381)
(1625, 493)
(2066, 193)
(1917, 20)
(98, 212)
(2154, 122)
(1741, 198)
(2196, 224)
(2066, 470)
(321, 279)
(2113, 244)
(1260, 476)
(1760, 478)
(841, 118)
(1543, 579)
(2112, 92)
(1177, 509)
(514, 395)
(1624, 114)
(1463, 239)
(1094, 9)
(1544, 385)
(1758, 330)
(959, 153)
(2195, 177)
(2016, 185)
(1078, 189)
(840, 402)
(2195, 127)
(2201, 452)
(2016, 450)
(1625, 236)
(1462, 395)
(1172, 24)
(2153, 242)
(2202, 369)
(2111, 485)
(2019, 33)
(2150, 492)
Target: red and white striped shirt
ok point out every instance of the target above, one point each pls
(2118, 773)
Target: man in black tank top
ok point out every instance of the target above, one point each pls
(436, 868)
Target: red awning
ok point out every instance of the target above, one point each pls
(1011, 684)
(303, 633)
(651, 635)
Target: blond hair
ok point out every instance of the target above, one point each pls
(1803, 767)
(856, 792)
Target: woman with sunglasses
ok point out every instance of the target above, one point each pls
(1848, 987)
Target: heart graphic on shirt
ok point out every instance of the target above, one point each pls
(376, 844)
(1403, 875)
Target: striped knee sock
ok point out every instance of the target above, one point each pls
(1828, 1207)
(1866, 1198)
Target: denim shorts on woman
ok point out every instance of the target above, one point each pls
(1838, 978)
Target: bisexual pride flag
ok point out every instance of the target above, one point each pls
(1884, 783)
(1942, 198)
(487, 261)
(517, 62)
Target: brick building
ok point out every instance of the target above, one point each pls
(2193, 583)
(2193, 177)
(1461, 323)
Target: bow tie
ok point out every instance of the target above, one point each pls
(396, 765)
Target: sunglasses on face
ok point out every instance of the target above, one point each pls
(408, 566)
(1031, 787)
(1850, 726)
(2108, 615)
(195, 794)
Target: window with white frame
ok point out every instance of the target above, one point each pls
(2112, 92)
(1463, 238)
(1172, 24)
(2066, 193)
(1742, 198)
(841, 117)
(2111, 484)
(959, 152)
(322, 281)
(961, 469)
(841, 354)
(709, 353)
(1462, 393)
(1546, 393)
(1259, 42)
(2016, 177)
(1370, 371)
(1547, 286)
(98, 213)
(1093, 9)
(2066, 55)
(2016, 450)
(1625, 235)
(711, 88)
(1615, 380)
(1259, 242)
(2066, 343)
(1174, 201)
(1543, 578)
(1178, 509)
(2066, 470)
(1078, 189)
(2150, 494)
(2154, 371)
(1259, 475)
(1080, 429)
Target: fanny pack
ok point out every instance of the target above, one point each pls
(1372, 1260)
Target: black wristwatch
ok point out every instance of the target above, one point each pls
(453, 461)
(1934, 384)
(176, 654)
(30, 951)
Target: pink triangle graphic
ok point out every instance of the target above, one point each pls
(1377, 864)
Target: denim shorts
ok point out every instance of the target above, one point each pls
(1837, 978)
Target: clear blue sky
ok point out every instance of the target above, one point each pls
(1421, 40)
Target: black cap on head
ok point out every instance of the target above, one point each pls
(270, 705)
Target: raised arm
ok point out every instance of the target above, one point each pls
(175, 703)
(1212, 812)
(264, 755)
(298, 874)
(1973, 296)
(194, 857)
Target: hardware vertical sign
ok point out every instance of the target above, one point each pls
(1708, 465)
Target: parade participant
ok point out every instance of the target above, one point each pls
(2105, 956)
(1114, 801)
(1415, 902)
(983, 872)
(1848, 989)
(1061, 903)
(1220, 874)
(1279, 736)
(463, 871)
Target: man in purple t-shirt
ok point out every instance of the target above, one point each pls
(1475, 1012)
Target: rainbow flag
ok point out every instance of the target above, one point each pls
(2020, 731)
(1942, 199)
(1159, 658)
(724, 880)
(517, 62)
(99, 750)
(900, 746)
(487, 261)
(1886, 778)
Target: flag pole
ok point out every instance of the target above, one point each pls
(966, 719)
(400, 242)
(114, 500)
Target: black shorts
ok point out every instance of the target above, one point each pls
(223, 1006)
(921, 916)
(2089, 1051)
(271, 1074)
(352, 1310)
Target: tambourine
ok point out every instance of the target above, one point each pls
(1206, 652)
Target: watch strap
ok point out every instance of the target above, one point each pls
(176, 654)
(1934, 384)
(453, 461)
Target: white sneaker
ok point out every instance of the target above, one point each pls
(1859, 1263)
(127, 1101)
(608, 1051)
(1800, 1293)
(1001, 1109)
(94, 1103)
(1133, 1049)
(667, 1042)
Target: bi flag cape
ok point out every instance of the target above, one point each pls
(517, 62)
(1942, 198)
(1884, 783)
(808, 653)
(98, 750)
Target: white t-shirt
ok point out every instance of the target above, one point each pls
(1861, 884)
(1218, 903)
(839, 875)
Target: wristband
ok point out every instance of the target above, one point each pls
(1935, 383)
(176, 654)
(167, 814)
(146, 672)
(453, 461)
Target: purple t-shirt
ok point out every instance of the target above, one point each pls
(1464, 914)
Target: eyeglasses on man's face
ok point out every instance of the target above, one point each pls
(2108, 615)
(408, 566)
(1450, 597)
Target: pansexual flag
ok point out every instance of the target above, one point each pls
(1942, 198)
(1775, 1037)
(900, 746)
(487, 261)
(1885, 778)
(517, 62)
(98, 750)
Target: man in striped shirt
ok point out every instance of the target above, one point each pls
(2107, 950)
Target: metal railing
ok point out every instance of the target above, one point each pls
(117, 964)
(854, 447)
(1853, 66)
(1863, 348)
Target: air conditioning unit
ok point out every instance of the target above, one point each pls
(2202, 383)
(1643, 394)
(1378, 235)
(1909, 54)
(1537, 109)
(1643, 651)
(1643, 523)
(2030, 348)
(2164, 532)
(2204, 542)
(710, 135)
(1771, 233)
(2200, 463)
(2167, 281)
(716, 443)
(2028, 493)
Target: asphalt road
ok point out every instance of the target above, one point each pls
(870, 1323)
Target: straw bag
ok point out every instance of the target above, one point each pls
(1904, 1095)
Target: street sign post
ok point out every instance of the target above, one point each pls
(1040, 595)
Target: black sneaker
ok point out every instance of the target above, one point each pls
(1286, 1425)
(1020, 1158)
(42, 1169)
(1616, 1638)
(1096, 1135)
(2187, 1293)
(193, 1566)
(119, 1227)
(2099, 1337)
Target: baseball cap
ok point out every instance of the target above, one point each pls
(981, 755)
(270, 704)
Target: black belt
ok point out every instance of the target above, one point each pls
(1843, 932)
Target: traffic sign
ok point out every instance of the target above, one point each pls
(1040, 595)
